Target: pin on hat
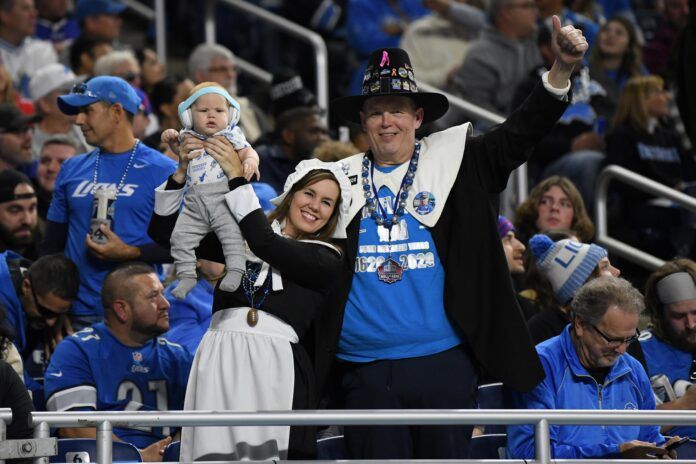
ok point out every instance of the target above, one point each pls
(389, 73)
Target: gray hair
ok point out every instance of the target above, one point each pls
(107, 64)
(594, 298)
(63, 139)
(204, 54)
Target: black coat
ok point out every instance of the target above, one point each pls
(479, 295)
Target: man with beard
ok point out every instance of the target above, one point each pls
(122, 364)
(15, 137)
(297, 133)
(36, 297)
(670, 345)
(19, 230)
(587, 368)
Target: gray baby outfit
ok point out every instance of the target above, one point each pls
(204, 211)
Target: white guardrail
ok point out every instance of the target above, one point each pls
(106, 421)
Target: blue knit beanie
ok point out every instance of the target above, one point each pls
(566, 264)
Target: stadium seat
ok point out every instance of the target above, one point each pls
(331, 448)
(489, 446)
(171, 452)
(85, 450)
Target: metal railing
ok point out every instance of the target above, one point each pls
(321, 54)
(106, 421)
(614, 246)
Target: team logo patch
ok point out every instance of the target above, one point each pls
(424, 203)
(137, 356)
(630, 406)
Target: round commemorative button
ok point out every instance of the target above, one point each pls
(424, 203)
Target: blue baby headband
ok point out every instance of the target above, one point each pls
(186, 104)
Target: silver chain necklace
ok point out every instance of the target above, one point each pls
(125, 172)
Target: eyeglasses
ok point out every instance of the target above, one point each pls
(130, 76)
(45, 312)
(81, 89)
(616, 342)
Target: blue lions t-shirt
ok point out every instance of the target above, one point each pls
(407, 318)
(92, 370)
(675, 363)
(72, 205)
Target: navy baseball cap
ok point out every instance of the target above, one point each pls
(86, 8)
(109, 89)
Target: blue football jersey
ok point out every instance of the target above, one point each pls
(92, 370)
(72, 204)
(15, 318)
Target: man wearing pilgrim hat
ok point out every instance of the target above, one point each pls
(426, 300)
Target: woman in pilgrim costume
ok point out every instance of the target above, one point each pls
(251, 357)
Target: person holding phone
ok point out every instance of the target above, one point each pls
(587, 368)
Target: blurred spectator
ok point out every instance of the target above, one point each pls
(514, 255)
(19, 224)
(615, 59)
(152, 70)
(660, 52)
(372, 24)
(55, 150)
(100, 18)
(8, 351)
(297, 133)
(332, 150)
(15, 137)
(54, 24)
(501, 57)
(586, 362)
(437, 43)
(166, 96)
(566, 265)
(668, 346)
(121, 63)
(288, 92)
(45, 87)
(21, 54)
(686, 75)
(36, 295)
(552, 204)
(216, 63)
(548, 8)
(121, 167)
(639, 141)
(84, 52)
(122, 364)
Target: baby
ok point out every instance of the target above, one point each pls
(209, 111)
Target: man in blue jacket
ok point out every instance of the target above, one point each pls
(587, 368)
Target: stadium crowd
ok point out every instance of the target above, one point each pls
(198, 241)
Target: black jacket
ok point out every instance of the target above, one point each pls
(479, 295)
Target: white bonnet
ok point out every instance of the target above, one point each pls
(337, 169)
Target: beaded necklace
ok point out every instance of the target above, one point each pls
(390, 270)
(125, 172)
(250, 289)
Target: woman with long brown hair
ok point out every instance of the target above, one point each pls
(252, 356)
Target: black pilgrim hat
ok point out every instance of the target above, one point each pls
(389, 73)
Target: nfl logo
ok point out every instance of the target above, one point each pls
(137, 356)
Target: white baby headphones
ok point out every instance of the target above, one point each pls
(185, 107)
